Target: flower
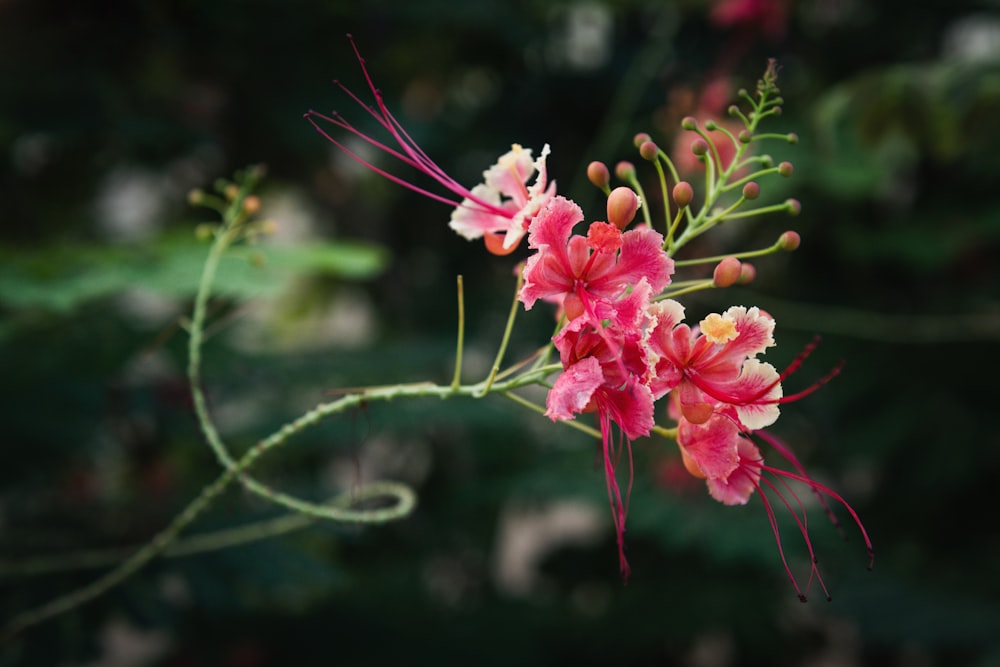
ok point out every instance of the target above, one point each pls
(499, 210)
(605, 367)
(580, 271)
(733, 468)
(714, 368)
(505, 188)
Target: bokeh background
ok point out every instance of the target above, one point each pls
(112, 112)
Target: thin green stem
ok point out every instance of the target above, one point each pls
(520, 400)
(770, 250)
(456, 379)
(663, 193)
(506, 335)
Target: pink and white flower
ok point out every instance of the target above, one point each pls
(499, 210)
(714, 367)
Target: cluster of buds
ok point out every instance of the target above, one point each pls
(622, 342)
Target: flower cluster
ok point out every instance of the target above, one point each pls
(622, 341)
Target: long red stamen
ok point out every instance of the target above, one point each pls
(789, 456)
(808, 481)
(756, 397)
(411, 154)
(618, 508)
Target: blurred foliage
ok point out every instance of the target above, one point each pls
(895, 107)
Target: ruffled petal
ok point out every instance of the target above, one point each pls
(736, 488)
(573, 390)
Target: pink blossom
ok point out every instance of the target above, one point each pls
(734, 468)
(579, 271)
(713, 367)
(499, 210)
(505, 187)
(604, 371)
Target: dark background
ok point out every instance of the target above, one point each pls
(110, 113)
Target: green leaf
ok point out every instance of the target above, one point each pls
(62, 278)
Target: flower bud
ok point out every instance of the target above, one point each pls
(699, 147)
(689, 123)
(789, 241)
(598, 174)
(793, 138)
(745, 137)
(785, 169)
(747, 274)
(683, 193)
(727, 272)
(251, 204)
(751, 190)
(711, 125)
(196, 197)
(625, 170)
(641, 138)
(648, 150)
(622, 205)
(204, 231)
(733, 110)
(794, 207)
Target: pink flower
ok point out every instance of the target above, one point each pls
(579, 271)
(505, 187)
(604, 371)
(769, 17)
(499, 210)
(733, 468)
(713, 368)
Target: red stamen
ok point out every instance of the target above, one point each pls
(410, 154)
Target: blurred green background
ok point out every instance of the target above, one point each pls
(110, 114)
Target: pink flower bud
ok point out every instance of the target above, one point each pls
(747, 274)
(689, 123)
(622, 205)
(745, 137)
(648, 150)
(751, 190)
(641, 138)
(789, 241)
(727, 272)
(683, 193)
(625, 170)
(794, 207)
(785, 169)
(598, 174)
(793, 138)
(699, 147)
